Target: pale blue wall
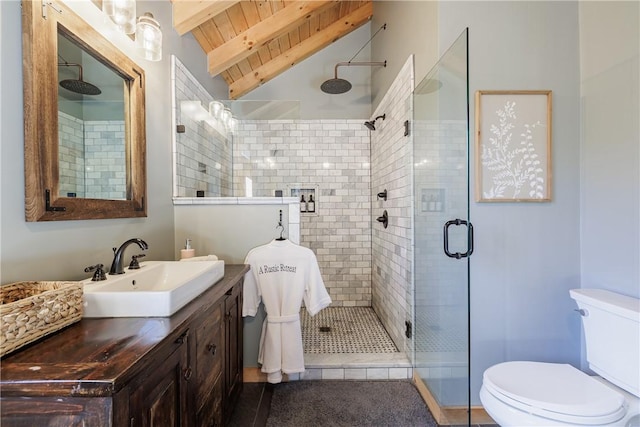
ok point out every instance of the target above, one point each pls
(610, 157)
(527, 255)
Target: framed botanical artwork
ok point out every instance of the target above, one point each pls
(513, 146)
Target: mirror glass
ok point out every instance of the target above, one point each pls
(91, 126)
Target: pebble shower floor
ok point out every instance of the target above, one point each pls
(345, 330)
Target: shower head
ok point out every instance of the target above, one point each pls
(371, 124)
(79, 86)
(336, 85)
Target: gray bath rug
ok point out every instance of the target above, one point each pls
(348, 404)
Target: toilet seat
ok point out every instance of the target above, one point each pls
(555, 391)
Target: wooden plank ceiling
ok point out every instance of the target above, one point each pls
(251, 42)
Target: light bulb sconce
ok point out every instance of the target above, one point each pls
(149, 38)
(145, 28)
(122, 13)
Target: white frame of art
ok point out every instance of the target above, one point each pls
(513, 145)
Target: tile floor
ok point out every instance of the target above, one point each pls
(349, 343)
(345, 330)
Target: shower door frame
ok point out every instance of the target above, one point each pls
(441, 249)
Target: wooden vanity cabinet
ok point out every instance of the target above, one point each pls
(218, 360)
(185, 370)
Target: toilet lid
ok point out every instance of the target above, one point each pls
(557, 391)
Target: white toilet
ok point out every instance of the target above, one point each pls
(524, 394)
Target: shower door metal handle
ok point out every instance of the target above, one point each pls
(469, 251)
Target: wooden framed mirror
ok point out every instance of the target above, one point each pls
(84, 120)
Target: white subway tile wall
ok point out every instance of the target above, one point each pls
(391, 169)
(203, 153)
(330, 157)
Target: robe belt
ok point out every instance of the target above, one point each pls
(283, 319)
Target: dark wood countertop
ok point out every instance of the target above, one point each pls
(97, 357)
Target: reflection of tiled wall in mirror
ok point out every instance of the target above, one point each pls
(105, 173)
(70, 155)
(91, 158)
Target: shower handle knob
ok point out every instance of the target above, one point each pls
(384, 219)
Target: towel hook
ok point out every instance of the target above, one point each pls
(281, 227)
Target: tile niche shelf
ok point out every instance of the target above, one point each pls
(432, 200)
(309, 192)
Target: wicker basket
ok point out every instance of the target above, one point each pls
(31, 310)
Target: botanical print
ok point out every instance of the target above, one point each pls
(513, 163)
(513, 145)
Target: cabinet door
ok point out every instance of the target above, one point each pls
(159, 393)
(233, 339)
(209, 360)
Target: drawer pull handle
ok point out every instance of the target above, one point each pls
(187, 373)
(212, 349)
(182, 338)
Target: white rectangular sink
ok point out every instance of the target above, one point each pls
(156, 289)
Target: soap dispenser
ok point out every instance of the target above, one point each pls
(187, 252)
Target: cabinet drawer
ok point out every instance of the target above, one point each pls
(209, 353)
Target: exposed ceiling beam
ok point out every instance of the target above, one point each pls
(188, 14)
(301, 51)
(249, 41)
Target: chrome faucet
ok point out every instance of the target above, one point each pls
(117, 266)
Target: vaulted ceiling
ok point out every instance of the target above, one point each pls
(250, 42)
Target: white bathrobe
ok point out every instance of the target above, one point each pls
(282, 275)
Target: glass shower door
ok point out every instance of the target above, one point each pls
(442, 237)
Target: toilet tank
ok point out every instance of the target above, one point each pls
(612, 333)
